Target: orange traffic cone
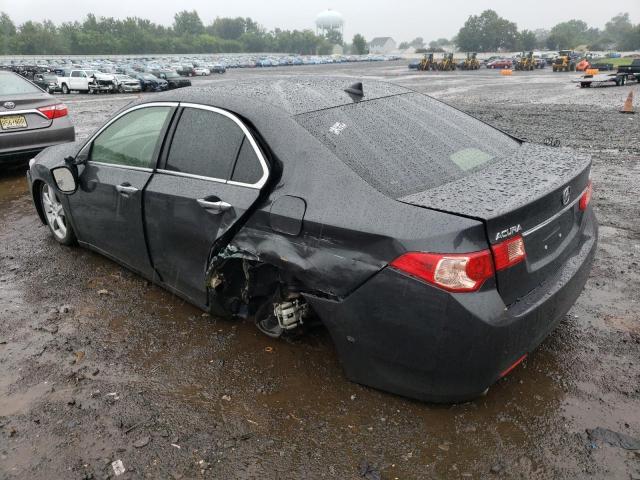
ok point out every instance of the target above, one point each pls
(628, 105)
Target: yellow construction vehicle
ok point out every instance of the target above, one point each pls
(526, 61)
(471, 62)
(446, 64)
(564, 62)
(427, 63)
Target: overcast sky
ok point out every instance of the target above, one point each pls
(400, 19)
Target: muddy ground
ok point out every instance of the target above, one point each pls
(97, 365)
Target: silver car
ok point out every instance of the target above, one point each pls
(125, 83)
(30, 119)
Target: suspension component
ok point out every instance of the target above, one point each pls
(291, 313)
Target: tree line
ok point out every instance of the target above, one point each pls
(488, 32)
(188, 34)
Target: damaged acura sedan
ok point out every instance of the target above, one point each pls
(437, 250)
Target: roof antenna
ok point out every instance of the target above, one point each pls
(355, 89)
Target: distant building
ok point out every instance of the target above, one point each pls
(382, 45)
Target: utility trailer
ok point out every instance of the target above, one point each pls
(603, 79)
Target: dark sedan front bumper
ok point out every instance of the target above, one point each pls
(401, 335)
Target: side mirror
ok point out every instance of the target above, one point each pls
(65, 179)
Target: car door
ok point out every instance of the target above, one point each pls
(212, 173)
(120, 159)
(77, 80)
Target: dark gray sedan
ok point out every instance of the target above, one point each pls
(437, 250)
(30, 119)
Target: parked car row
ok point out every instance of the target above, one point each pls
(187, 66)
(89, 80)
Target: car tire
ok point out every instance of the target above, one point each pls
(56, 216)
(65, 89)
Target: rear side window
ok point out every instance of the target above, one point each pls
(248, 168)
(408, 143)
(11, 84)
(205, 143)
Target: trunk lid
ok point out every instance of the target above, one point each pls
(534, 193)
(25, 105)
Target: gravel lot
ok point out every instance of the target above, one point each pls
(97, 365)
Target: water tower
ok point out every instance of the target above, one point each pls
(329, 21)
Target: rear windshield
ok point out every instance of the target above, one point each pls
(407, 143)
(15, 85)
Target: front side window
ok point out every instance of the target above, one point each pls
(132, 139)
(205, 143)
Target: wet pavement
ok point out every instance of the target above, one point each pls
(97, 365)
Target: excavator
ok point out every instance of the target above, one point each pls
(471, 62)
(564, 62)
(427, 63)
(446, 64)
(526, 61)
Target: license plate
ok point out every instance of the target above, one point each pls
(9, 122)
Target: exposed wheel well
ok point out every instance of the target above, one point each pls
(36, 192)
(242, 285)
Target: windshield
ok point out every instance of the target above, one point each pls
(405, 144)
(15, 85)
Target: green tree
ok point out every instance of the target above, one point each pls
(527, 40)
(618, 28)
(7, 33)
(187, 23)
(228, 28)
(403, 45)
(359, 44)
(334, 37)
(631, 39)
(487, 32)
(568, 35)
(435, 45)
(417, 42)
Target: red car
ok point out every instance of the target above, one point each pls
(501, 63)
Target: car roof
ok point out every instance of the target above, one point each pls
(293, 95)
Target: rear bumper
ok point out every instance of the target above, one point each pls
(15, 146)
(401, 335)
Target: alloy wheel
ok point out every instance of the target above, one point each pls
(54, 212)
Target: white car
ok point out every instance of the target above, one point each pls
(201, 71)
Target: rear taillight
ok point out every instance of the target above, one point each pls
(453, 272)
(586, 196)
(508, 253)
(54, 111)
(462, 272)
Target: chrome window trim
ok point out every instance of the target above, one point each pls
(23, 112)
(554, 217)
(127, 167)
(121, 114)
(190, 175)
(265, 169)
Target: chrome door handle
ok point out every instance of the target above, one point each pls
(214, 207)
(126, 189)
